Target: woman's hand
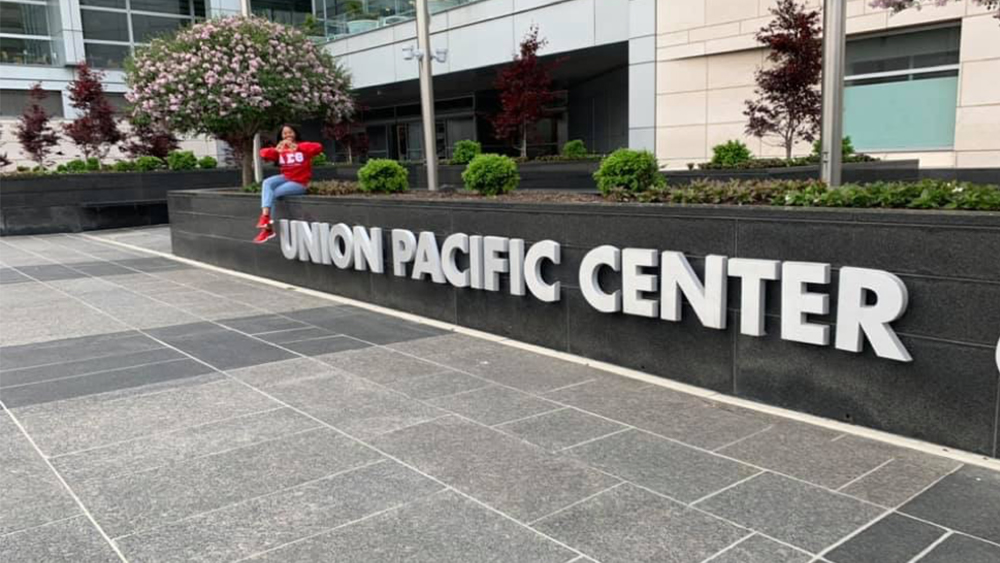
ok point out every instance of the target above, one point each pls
(286, 145)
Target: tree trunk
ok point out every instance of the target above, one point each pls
(350, 155)
(524, 141)
(788, 147)
(248, 177)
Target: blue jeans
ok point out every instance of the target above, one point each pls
(278, 186)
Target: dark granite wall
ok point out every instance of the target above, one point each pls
(948, 394)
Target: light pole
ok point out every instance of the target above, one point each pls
(426, 59)
(834, 24)
(258, 166)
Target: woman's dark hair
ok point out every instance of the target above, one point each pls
(298, 136)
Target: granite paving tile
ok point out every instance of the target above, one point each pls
(380, 365)
(963, 549)
(794, 512)
(267, 522)
(967, 500)
(222, 348)
(632, 525)
(440, 528)
(325, 345)
(259, 324)
(28, 375)
(759, 549)
(294, 335)
(809, 453)
(126, 503)
(494, 405)
(500, 470)
(893, 539)
(73, 540)
(284, 372)
(561, 428)
(908, 473)
(93, 421)
(662, 411)
(447, 382)
(101, 382)
(180, 445)
(353, 405)
(669, 468)
(364, 325)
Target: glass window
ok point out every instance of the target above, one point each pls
(107, 56)
(26, 51)
(23, 19)
(901, 90)
(145, 28)
(180, 7)
(104, 26)
(104, 3)
(13, 102)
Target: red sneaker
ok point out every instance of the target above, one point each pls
(264, 222)
(264, 235)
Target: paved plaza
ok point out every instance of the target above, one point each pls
(157, 411)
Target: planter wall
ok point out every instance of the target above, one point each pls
(948, 394)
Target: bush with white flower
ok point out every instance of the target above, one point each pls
(233, 77)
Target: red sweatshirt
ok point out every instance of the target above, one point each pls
(295, 165)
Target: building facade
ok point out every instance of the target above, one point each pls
(42, 40)
(670, 76)
(673, 76)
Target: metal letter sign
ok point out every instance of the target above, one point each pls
(653, 282)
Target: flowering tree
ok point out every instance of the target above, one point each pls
(788, 103)
(233, 77)
(96, 130)
(33, 130)
(900, 5)
(525, 88)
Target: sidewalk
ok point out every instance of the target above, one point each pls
(160, 412)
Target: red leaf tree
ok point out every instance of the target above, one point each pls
(149, 139)
(343, 132)
(95, 130)
(33, 130)
(525, 89)
(788, 103)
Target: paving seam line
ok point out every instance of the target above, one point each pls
(878, 435)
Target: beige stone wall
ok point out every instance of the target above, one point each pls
(706, 56)
(10, 146)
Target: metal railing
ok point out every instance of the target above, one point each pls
(375, 15)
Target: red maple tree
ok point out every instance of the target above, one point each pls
(343, 132)
(788, 103)
(525, 89)
(33, 130)
(95, 130)
(149, 139)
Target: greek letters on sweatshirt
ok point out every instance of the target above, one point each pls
(295, 165)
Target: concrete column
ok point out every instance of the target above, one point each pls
(642, 75)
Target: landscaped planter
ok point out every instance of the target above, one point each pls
(947, 394)
(851, 173)
(69, 203)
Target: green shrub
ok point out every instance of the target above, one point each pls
(76, 166)
(465, 151)
(730, 154)
(207, 162)
(148, 163)
(93, 164)
(60, 169)
(491, 174)
(124, 166)
(320, 160)
(182, 160)
(574, 149)
(630, 170)
(383, 175)
(846, 147)
(24, 169)
(253, 188)
(926, 194)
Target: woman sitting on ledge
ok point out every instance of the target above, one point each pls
(295, 160)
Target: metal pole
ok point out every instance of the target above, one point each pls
(834, 31)
(427, 93)
(258, 165)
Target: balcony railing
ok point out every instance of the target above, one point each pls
(376, 14)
